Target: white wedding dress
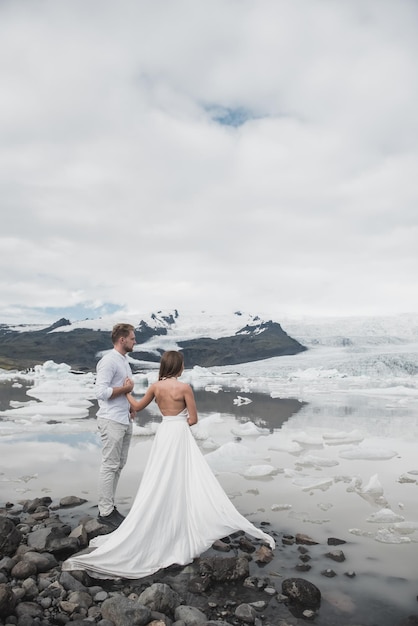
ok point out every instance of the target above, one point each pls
(179, 511)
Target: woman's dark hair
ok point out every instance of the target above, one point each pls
(171, 364)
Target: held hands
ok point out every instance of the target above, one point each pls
(128, 385)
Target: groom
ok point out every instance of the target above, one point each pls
(114, 419)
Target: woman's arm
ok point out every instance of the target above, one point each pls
(138, 405)
(191, 406)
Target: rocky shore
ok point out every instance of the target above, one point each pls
(223, 587)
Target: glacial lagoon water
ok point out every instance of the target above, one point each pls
(322, 443)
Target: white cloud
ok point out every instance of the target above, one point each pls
(119, 185)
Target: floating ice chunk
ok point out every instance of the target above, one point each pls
(213, 388)
(204, 427)
(385, 516)
(230, 457)
(309, 483)
(209, 444)
(360, 533)
(325, 506)
(371, 454)
(51, 369)
(311, 460)
(384, 535)
(240, 401)
(259, 470)
(404, 478)
(281, 507)
(59, 410)
(281, 443)
(17, 385)
(249, 429)
(404, 528)
(336, 439)
(308, 440)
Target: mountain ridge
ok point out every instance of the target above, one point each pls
(229, 340)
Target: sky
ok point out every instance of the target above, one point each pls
(253, 155)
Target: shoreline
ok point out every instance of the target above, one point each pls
(261, 589)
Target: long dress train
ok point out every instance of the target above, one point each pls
(179, 511)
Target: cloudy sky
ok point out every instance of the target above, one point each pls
(259, 155)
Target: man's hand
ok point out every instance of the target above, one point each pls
(128, 385)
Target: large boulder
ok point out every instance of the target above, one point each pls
(10, 537)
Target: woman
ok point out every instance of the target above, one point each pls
(180, 508)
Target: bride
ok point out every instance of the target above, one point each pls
(180, 508)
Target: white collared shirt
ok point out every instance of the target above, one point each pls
(112, 370)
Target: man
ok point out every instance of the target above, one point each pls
(113, 382)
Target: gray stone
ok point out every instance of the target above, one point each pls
(30, 588)
(101, 596)
(264, 554)
(246, 613)
(32, 609)
(10, 537)
(336, 555)
(37, 539)
(190, 615)
(69, 501)
(124, 612)
(7, 600)
(7, 563)
(160, 597)
(80, 534)
(80, 598)
(23, 569)
(70, 583)
(30, 506)
(302, 592)
(222, 569)
(43, 561)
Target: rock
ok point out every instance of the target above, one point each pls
(221, 546)
(7, 600)
(336, 555)
(7, 563)
(264, 554)
(70, 583)
(31, 609)
(30, 588)
(69, 501)
(80, 534)
(246, 613)
(333, 541)
(63, 547)
(10, 537)
(24, 569)
(224, 569)
(190, 615)
(124, 612)
(30, 506)
(160, 597)
(245, 545)
(81, 598)
(302, 592)
(38, 538)
(43, 561)
(329, 573)
(305, 540)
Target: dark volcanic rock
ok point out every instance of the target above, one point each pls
(252, 343)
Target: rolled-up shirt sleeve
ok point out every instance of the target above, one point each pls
(104, 376)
